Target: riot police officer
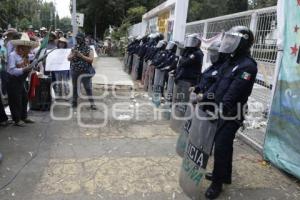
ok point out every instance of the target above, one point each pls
(231, 92)
(162, 65)
(171, 62)
(190, 63)
(210, 75)
(161, 54)
(152, 50)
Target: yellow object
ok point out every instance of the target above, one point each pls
(163, 22)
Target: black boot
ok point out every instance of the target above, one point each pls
(209, 177)
(214, 190)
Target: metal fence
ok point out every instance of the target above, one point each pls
(262, 22)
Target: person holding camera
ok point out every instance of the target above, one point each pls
(81, 58)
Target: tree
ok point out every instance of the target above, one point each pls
(65, 24)
(234, 6)
(23, 24)
(112, 12)
(134, 15)
(204, 9)
(255, 4)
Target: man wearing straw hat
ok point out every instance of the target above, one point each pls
(18, 70)
(10, 34)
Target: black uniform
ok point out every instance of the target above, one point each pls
(231, 92)
(190, 66)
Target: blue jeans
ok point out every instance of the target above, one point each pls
(62, 78)
(87, 84)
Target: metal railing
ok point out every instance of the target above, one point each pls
(262, 22)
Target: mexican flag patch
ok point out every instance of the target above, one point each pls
(246, 76)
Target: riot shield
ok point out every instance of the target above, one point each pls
(180, 99)
(145, 65)
(185, 131)
(150, 80)
(198, 149)
(170, 88)
(158, 86)
(129, 64)
(135, 67)
(125, 61)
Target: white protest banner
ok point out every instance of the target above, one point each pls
(58, 60)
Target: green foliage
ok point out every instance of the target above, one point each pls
(65, 24)
(254, 4)
(134, 15)
(103, 13)
(204, 9)
(22, 13)
(121, 31)
(23, 24)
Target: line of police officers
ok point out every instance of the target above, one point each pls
(227, 83)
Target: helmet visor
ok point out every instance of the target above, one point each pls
(170, 45)
(160, 44)
(230, 42)
(191, 42)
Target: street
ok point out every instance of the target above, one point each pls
(131, 157)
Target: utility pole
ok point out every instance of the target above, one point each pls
(55, 14)
(181, 11)
(74, 20)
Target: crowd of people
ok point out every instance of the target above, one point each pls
(22, 60)
(220, 90)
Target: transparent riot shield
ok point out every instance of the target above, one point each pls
(196, 155)
(158, 86)
(180, 99)
(185, 131)
(150, 80)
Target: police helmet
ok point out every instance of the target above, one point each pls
(161, 44)
(139, 37)
(158, 36)
(237, 39)
(172, 46)
(192, 41)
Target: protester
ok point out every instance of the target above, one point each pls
(30, 31)
(62, 77)
(18, 70)
(231, 92)
(81, 58)
(190, 65)
(52, 41)
(43, 32)
(10, 34)
(7, 49)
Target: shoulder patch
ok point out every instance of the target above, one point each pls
(246, 76)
